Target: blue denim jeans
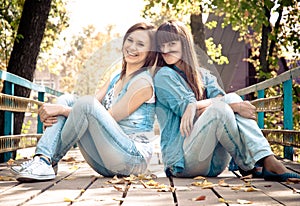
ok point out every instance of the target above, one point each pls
(104, 145)
(220, 134)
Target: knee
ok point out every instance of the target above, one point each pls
(221, 110)
(84, 103)
(65, 99)
(232, 98)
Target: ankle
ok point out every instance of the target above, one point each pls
(44, 158)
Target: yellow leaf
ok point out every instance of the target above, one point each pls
(250, 189)
(222, 183)
(199, 178)
(7, 178)
(66, 199)
(242, 202)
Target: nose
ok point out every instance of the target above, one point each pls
(164, 49)
(132, 46)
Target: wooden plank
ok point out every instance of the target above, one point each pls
(186, 193)
(99, 193)
(138, 195)
(277, 191)
(67, 189)
(23, 192)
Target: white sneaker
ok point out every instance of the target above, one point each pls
(16, 169)
(37, 170)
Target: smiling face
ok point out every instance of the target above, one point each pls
(171, 52)
(136, 48)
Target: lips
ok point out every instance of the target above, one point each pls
(131, 54)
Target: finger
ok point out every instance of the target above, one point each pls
(181, 129)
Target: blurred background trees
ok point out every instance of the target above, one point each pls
(270, 28)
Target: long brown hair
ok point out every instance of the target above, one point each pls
(173, 30)
(151, 57)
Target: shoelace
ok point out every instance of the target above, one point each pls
(25, 164)
(35, 163)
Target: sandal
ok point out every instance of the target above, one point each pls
(270, 176)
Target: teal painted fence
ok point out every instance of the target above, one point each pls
(10, 80)
(286, 80)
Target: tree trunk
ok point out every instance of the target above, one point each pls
(198, 31)
(263, 51)
(26, 49)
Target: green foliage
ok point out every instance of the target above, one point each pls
(158, 11)
(26, 127)
(215, 52)
(10, 15)
(249, 17)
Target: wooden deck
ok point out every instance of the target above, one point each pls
(77, 184)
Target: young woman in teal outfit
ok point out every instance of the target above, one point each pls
(202, 128)
(114, 129)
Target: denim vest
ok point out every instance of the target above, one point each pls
(142, 119)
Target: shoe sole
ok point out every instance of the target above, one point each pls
(34, 178)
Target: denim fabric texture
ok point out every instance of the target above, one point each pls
(107, 146)
(217, 134)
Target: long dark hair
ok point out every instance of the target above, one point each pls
(173, 30)
(151, 57)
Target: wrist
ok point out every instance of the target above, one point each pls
(65, 111)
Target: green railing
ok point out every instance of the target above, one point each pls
(289, 137)
(10, 104)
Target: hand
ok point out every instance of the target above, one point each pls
(246, 109)
(187, 120)
(48, 112)
(49, 121)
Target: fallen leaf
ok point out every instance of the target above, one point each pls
(118, 188)
(246, 177)
(164, 190)
(250, 189)
(7, 178)
(243, 202)
(236, 187)
(144, 177)
(199, 178)
(130, 178)
(204, 184)
(222, 183)
(223, 200)
(74, 167)
(116, 180)
(10, 162)
(200, 198)
(66, 199)
(154, 185)
(69, 159)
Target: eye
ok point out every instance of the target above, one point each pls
(129, 40)
(172, 43)
(141, 44)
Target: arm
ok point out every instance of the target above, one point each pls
(48, 113)
(192, 112)
(102, 91)
(138, 92)
(244, 109)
